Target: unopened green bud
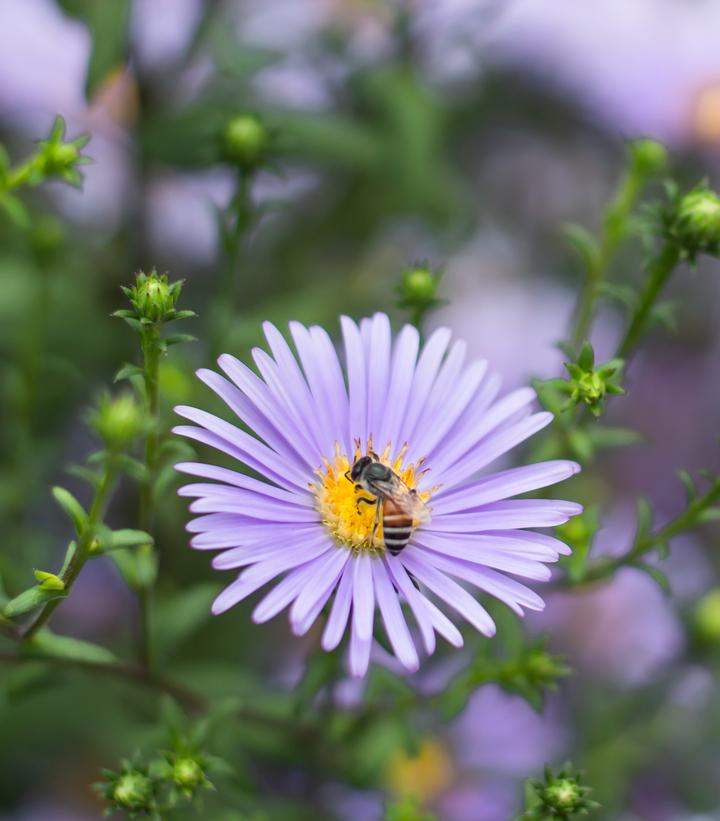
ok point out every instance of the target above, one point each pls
(245, 141)
(696, 223)
(154, 297)
(133, 791)
(590, 385)
(419, 286)
(188, 773)
(544, 669)
(707, 617)
(559, 796)
(649, 158)
(118, 420)
(57, 158)
(563, 795)
(60, 157)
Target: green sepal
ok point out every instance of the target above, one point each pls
(71, 507)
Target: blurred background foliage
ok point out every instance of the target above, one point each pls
(461, 133)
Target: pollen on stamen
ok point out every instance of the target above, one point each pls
(351, 523)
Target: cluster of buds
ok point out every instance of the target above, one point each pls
(692, 221)
(417, 292)
(559, 796)
(151, 790)
(245, 142)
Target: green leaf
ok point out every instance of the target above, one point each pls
(604, 437)
(644, 519)
(689, 484)
(138, 566)
(581, 443)
(49, 581)
(15, 209)
(583, 243)
(47, 643)
(72, 507)
(128, 371)
(656, 575)
(108, 26)
(30, 600)
(92, 477)
(176, 339)
(118, 539)
(711, 514)
(129, 538)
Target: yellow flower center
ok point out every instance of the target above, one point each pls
(351, 522)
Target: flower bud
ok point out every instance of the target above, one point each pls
(707, 617)
(419, 286)
(153, 296)
(57, 158)
(560, 795)
(133, 791)
(696, 223)
(118, 420)
(187, 773)
(245, 141)
(649, 158)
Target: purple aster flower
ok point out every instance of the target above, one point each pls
(438, 425)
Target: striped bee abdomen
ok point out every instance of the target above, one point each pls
(397, 527)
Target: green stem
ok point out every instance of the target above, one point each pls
(614, 229)
(237, 220)
(689, 519)
(150, 341)
(659, 272)
(188, 698)
(82, 553)
(19, 176)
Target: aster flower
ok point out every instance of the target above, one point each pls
(435, 423)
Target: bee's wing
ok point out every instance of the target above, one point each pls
(406, 499)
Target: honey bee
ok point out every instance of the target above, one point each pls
(399, 505)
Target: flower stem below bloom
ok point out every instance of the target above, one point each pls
(83, 550)
(659, 272)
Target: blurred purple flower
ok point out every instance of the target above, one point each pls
(639, 66)
(161, 29)
(43, 60)
(501, 733)
(519, 327)
(623, 631)
(305, 520)
(481, 799)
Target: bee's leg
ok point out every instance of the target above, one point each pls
(364, 499)
(347, 475)
(378, 508)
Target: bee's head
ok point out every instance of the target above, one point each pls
(359, 467)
